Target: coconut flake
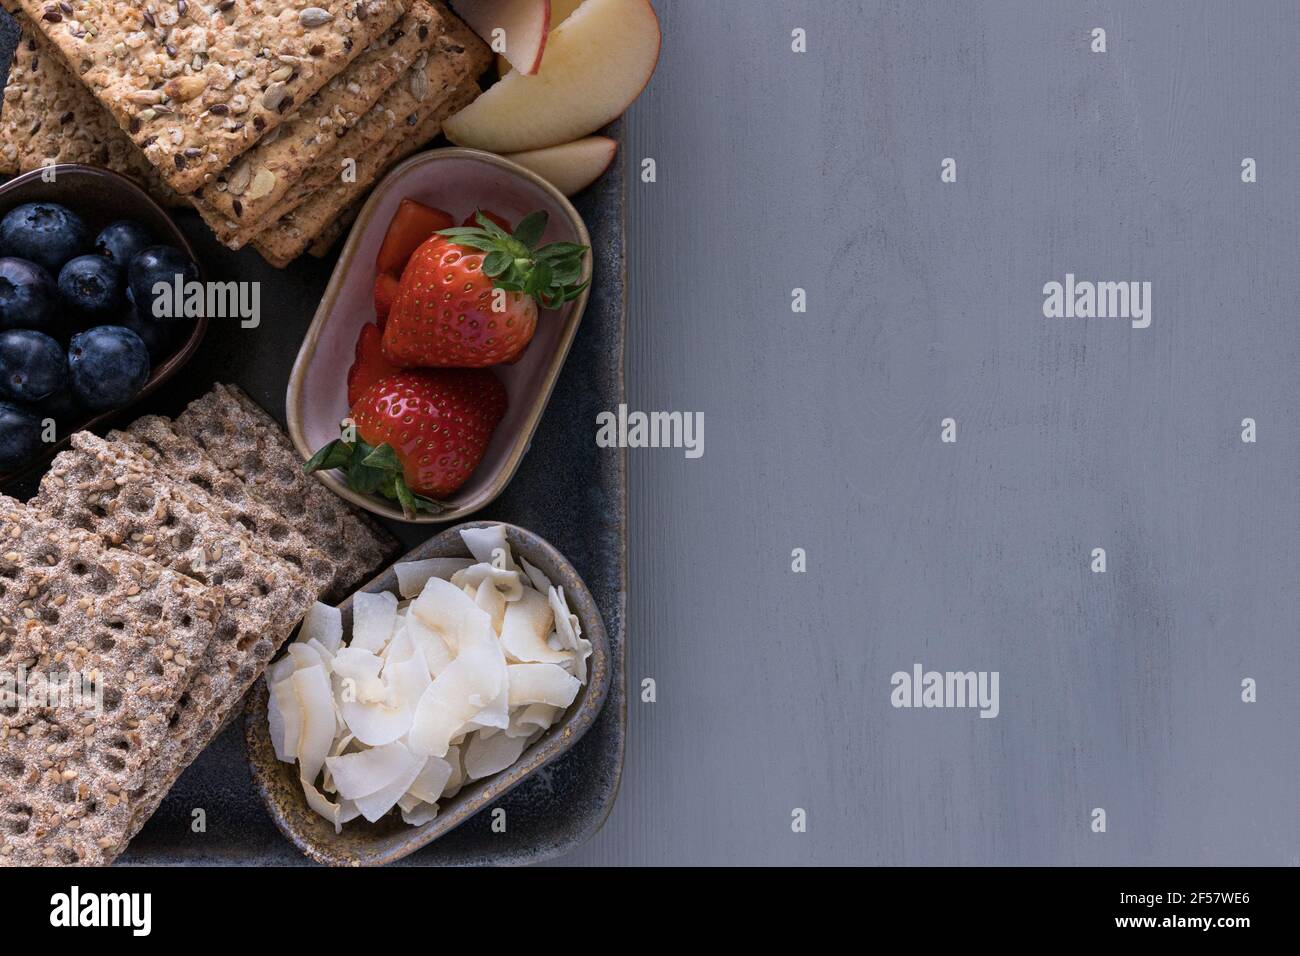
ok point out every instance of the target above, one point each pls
(431, 781)
(365, 772)
(494, 603)
(526, 721)
(304, 656)
(525, 628)
(375, 805)
(566, 622)
(420, 814)
(536, 576)
(285, 697)
(486, 756)
(455, 757)
(318, 724)
(317, 801)
(322, 623)
(357, 671)
(412, 575)
(373, 616)
(452, 615)
(436, 653)
(541, 684)
(467, 685)
(280, 670)
(509, 583)
(489, 545)
(383, 722)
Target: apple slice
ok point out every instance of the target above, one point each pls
(596, 64)
(524, 25)
(570, 167)
(560, 10)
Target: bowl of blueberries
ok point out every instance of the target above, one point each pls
(84, 328)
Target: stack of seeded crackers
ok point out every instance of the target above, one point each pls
(272, 119)
(163, 566)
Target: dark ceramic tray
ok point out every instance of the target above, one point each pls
(567, 490)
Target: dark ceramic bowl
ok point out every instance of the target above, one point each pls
(100, 197)
(371, 844)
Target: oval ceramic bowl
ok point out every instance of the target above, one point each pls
(458, 181)
(371, 844)
(100, 197)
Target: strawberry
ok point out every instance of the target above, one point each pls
(417, 435)
(469, 296)
(412, 224)
(385, 293)
(370, 365)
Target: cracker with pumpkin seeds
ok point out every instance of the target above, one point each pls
(138, 631)
(49, 116)
(194, 82)
(235, 204)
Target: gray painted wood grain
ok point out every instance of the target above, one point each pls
(1119, 690)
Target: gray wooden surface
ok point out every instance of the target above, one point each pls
(1118, 690)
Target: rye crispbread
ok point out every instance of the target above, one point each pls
(139, 631)
(194, 84)
(49, 116)
(153, 437)
(236, 203)
(117, 494)
(243, 439)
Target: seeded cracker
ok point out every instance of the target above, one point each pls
(320, 246)
(67, 603)
(49, 116)
(244, 440)
(403, 134)
(402, 121)
(197, 83)
(291, 236)
(236, 203)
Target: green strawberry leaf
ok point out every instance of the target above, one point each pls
(490, 227)
(550, 274)
(496, 263)
(335, 454)
(384, 458)
(530, 229)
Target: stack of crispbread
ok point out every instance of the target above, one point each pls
(167, 563)
(271, 119)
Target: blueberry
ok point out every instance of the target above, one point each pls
(20, 436)
(120, 241)
(60, 406)
(157, 336)
(159, 264)
(45, 233)
(28, 296)
(109, 364)
(92, 285)
(32, 366)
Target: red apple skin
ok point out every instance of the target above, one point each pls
(506, 145)
(483, 16)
